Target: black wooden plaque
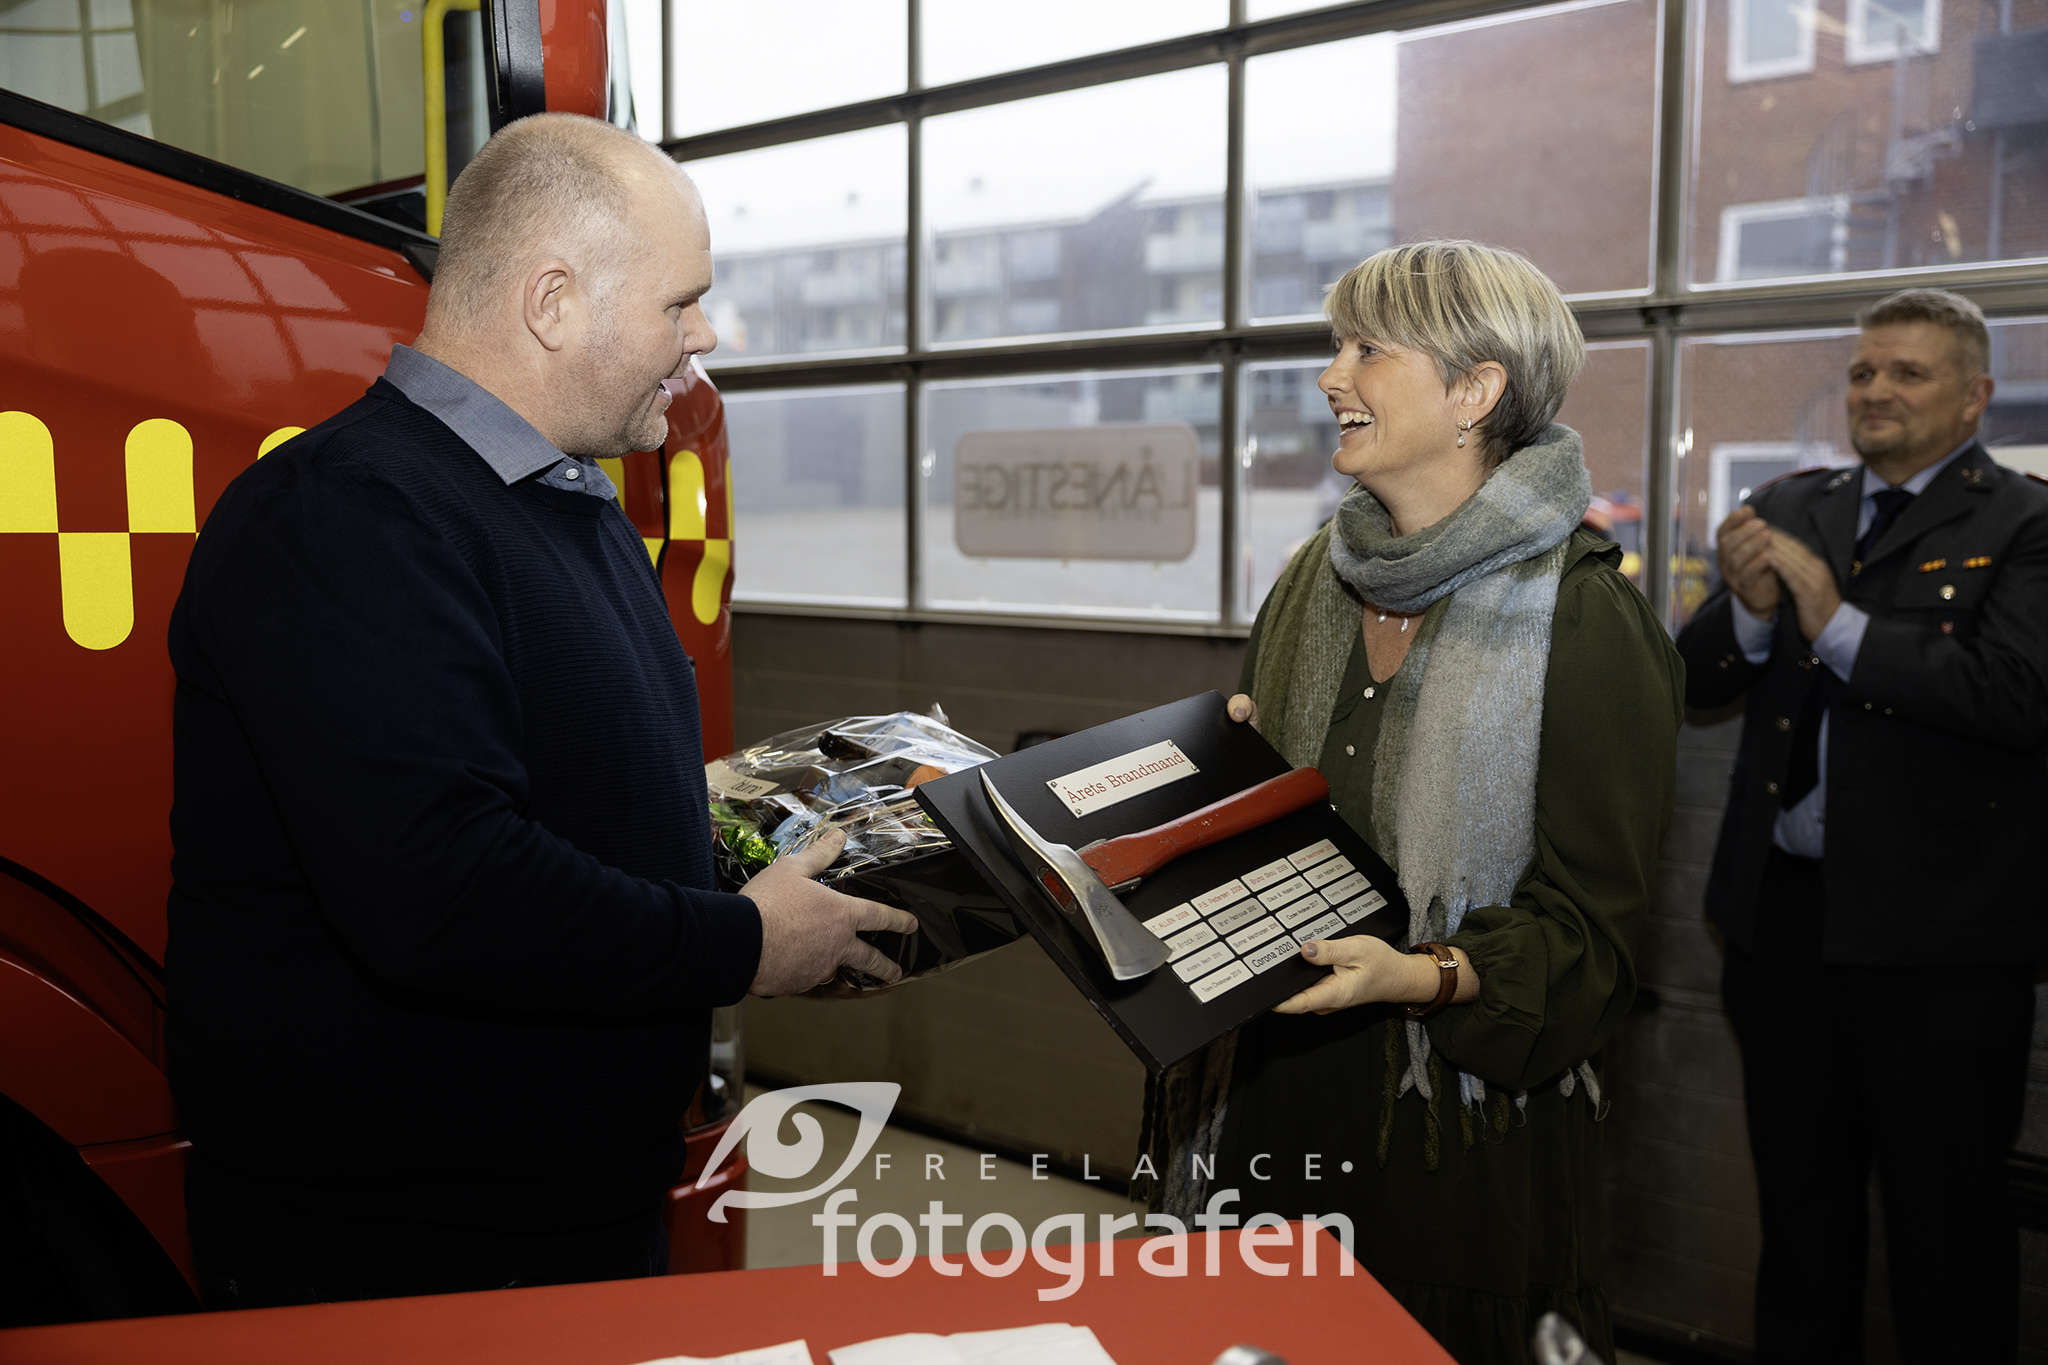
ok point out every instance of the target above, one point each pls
(1159, 1016)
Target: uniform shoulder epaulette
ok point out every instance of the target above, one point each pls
(1792, 474)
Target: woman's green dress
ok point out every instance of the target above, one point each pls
(1481, 1222)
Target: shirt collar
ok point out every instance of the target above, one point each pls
(1873, 485)
(507, 442)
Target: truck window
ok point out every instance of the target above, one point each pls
(327, 96)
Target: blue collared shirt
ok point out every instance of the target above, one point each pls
(507, 442)
(1802, 830)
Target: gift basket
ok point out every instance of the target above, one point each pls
(857, 774)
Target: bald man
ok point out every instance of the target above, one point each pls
(443, 940)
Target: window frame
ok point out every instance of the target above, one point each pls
(1860, 49)
(1723, 455)
(1741, 69)
(1735, 217)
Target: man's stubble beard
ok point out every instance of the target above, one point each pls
(614, 433)
(650, 433)
(1867, 450)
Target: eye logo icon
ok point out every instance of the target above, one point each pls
(760, 1126)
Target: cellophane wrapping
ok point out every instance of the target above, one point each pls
(776, 797)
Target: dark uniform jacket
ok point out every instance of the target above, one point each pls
(1937, 762)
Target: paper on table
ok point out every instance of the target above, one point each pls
(1048, 1343)
(788, 1353)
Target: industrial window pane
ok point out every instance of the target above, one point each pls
(1039, 223)
(324, 97)
(1080, 494)
(809, 244)
(968, 38)
(1391, 137)
(1886, 149)
(817, 478)
(1322, 187)
(1753, 407)
(636, 46)
(1291, 490)
(737, 64)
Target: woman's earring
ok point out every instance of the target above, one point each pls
(1464, 427)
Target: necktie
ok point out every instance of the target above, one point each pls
(1889, 502)
(1804, 774)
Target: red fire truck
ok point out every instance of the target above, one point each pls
(212, 229)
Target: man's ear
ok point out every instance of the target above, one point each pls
(546, 302)
(1979, 399)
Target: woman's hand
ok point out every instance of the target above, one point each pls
(1243, 708)
(1369, 971)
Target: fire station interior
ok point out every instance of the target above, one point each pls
(937, 225)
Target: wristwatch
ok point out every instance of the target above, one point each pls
(1446, 978)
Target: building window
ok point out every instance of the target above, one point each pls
(1034, 256)
(1736, 469)
(1880, 30)
(1784, 237)
(1770, 38)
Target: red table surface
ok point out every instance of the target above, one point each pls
(1140, 1319)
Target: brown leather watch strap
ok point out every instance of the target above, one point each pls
(1446, 979)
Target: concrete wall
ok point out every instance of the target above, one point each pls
(1005, 1050)
(995, 682)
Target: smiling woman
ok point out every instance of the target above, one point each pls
(1504, 355)
(1496, 710)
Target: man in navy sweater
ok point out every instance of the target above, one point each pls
(443, 939)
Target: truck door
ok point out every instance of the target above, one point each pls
(212, 223)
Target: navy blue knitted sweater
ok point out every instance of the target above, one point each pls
(441, 940)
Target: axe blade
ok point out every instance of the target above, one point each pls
(1130, 949)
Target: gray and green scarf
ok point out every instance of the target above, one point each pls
(1454, 789)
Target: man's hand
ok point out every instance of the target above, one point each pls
(1369, 971)
(1808, 578)
(807, 930)
(1243, 708)
(1740, 549)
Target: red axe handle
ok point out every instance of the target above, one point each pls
(1131, 856)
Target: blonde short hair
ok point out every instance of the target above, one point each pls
(1462, 304)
